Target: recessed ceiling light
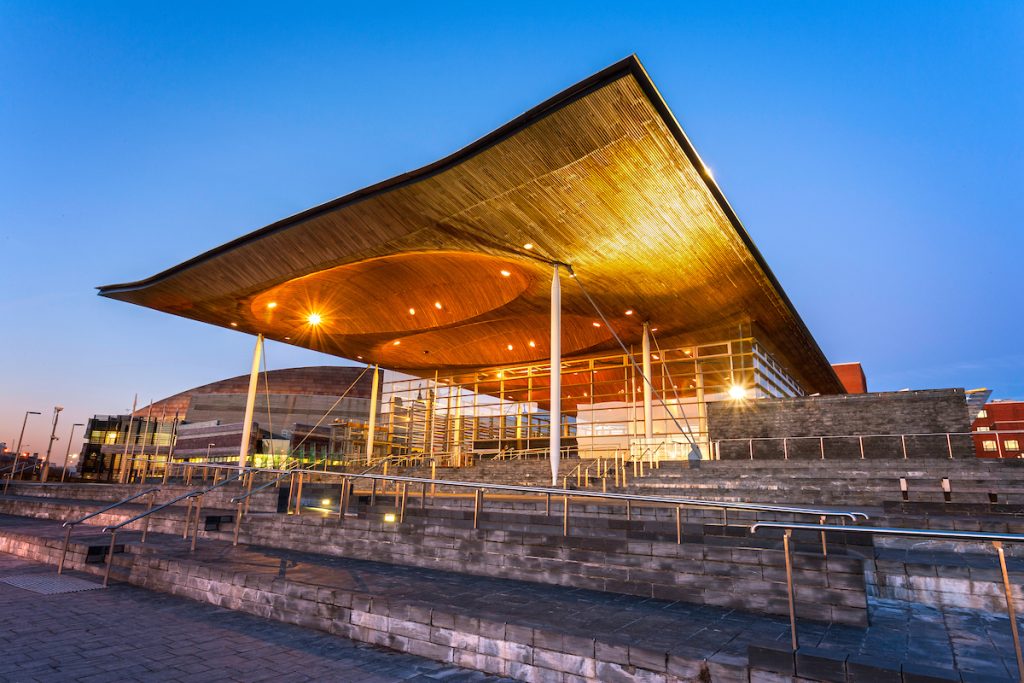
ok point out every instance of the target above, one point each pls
(655, 356)
(505, 273)
(287, 338)
(437, 305)
(509, 347)
(528, 246)
(272, 304)
(234, 324)
(412, 311)
(314, 319)
(397, 342)
(629, 312)
(533, 344)
(596, 324)
(359, 357)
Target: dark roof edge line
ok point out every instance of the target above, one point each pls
(651, 90)
(629, 65)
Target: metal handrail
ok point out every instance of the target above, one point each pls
(996, 539)
(197, 494)
(70, 525)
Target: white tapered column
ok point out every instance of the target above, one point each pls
(555, 445)
(250, 403)
(648, 388)
(374, 390)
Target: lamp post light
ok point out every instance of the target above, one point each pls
(17, 451)
(64, 470)
(49, 446)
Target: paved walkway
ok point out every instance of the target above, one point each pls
(124, 633)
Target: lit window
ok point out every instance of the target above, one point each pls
(982, 413)
(1011, 445)
(988, 446)
(983, 429)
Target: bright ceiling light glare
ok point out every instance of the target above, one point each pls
(437, 305)
(533, 344)
(629, 312)
(736, 392)
(528, 246)
(397, 342)
(509, 347)
(412, 311)
(506, 273)
(272, 305)
(234, 324)
(314, 319)
(655, 356)
(596, 324)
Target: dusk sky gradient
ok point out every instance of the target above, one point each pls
(874, 151)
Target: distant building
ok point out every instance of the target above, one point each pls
(305, 412)
(999, 430)
(852, 377)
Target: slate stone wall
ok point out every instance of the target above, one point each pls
(852, 426)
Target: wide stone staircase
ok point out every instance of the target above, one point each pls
(529, 587)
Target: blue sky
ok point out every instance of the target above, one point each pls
(874, 151)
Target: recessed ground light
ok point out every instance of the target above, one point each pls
(325, 501)
(389, 517)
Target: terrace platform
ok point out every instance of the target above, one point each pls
(616, 599)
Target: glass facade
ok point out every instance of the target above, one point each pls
(492, 411)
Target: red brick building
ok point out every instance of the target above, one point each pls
(1005, 419)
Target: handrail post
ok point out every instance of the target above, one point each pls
(188, 518)
(1008, 590)
(195, 523)
(679, 524)
(298, 494)
(64, 552)
(565, 515)
(789, 589)
(785, 448)
(373, 492)
(343, 500)
(860, 441)
(110, 558)
(477, 499)
(405, 497)
(547, 505)
(238, 522)
(949, 445)
(145, 529)
(629, 509)
(750, 446)
(824, 548)
(821, 442)
(903, 440)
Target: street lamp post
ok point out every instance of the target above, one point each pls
(64, 470)
(49, 446)
(17, 453)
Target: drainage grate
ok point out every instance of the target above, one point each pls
(50, 584)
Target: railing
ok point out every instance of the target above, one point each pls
(478, 488)
(71, 524)
(10, 475)
(196, 495)
(821, 440)
(995, 539)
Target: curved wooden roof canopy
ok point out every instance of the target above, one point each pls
(429, 270)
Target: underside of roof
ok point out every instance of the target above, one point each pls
(431, 269)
